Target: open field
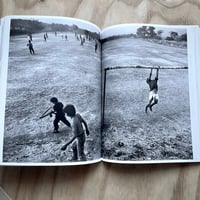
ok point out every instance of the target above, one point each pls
(61, 68)
(130, 133)
(136, 51)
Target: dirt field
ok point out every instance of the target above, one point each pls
(130, 133)
(61, 68)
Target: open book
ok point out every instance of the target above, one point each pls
(74, 94)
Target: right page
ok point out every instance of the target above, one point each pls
(150, 94)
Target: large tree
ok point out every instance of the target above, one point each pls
(146, 32)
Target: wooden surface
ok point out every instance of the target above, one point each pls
(105, 181)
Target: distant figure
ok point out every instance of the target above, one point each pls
(55, 33)
(59, 114)
(96, 46)
(153, 94)
(65, 36)
(77, 37)
(29, 36)
(30, 45)
(79, 134)
(82, 40)
(46, 35)
(45, 38)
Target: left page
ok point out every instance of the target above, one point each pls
(50, 91)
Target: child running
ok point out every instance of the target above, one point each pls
(153, 94)
(30, 46)
(59, 114)
(79, 135)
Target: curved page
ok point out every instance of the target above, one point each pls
(49, 63)
(150, 94)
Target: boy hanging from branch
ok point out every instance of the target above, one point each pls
(153, 86)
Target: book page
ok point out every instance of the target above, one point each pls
(149, 98)
(1, 28)
(50, 91)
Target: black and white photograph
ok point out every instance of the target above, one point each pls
(52, 108)
(146, 102)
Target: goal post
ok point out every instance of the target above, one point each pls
(144, 67)
(106, 69)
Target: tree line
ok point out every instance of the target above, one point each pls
(21, 27)
(150, 32)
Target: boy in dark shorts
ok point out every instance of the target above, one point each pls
(79, 134)
(30, 46)
(153, 94)
(59, 114)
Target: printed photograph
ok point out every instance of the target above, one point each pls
(52, 111)
(146, 103)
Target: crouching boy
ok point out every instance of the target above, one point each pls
(79, 134)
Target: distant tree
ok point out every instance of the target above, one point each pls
(174, 35)
(146, 32)
(151, 32)
(141, 31)
(74, 27)
(159, 33)
(183, 37)
(20, 26)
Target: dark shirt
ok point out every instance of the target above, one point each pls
(153, 84)
(30, 45)
(58, 108)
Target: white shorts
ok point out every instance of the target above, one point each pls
(154, 95)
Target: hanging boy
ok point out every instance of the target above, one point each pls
(153, 93)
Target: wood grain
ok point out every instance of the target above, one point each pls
(109, 12)
(105, 181)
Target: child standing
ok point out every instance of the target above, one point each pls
(79, 135)
(30, 46)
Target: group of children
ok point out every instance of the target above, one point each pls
(78, 138)
(82, 39)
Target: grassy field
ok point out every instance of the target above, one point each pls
(61, 68)
(130, 133)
